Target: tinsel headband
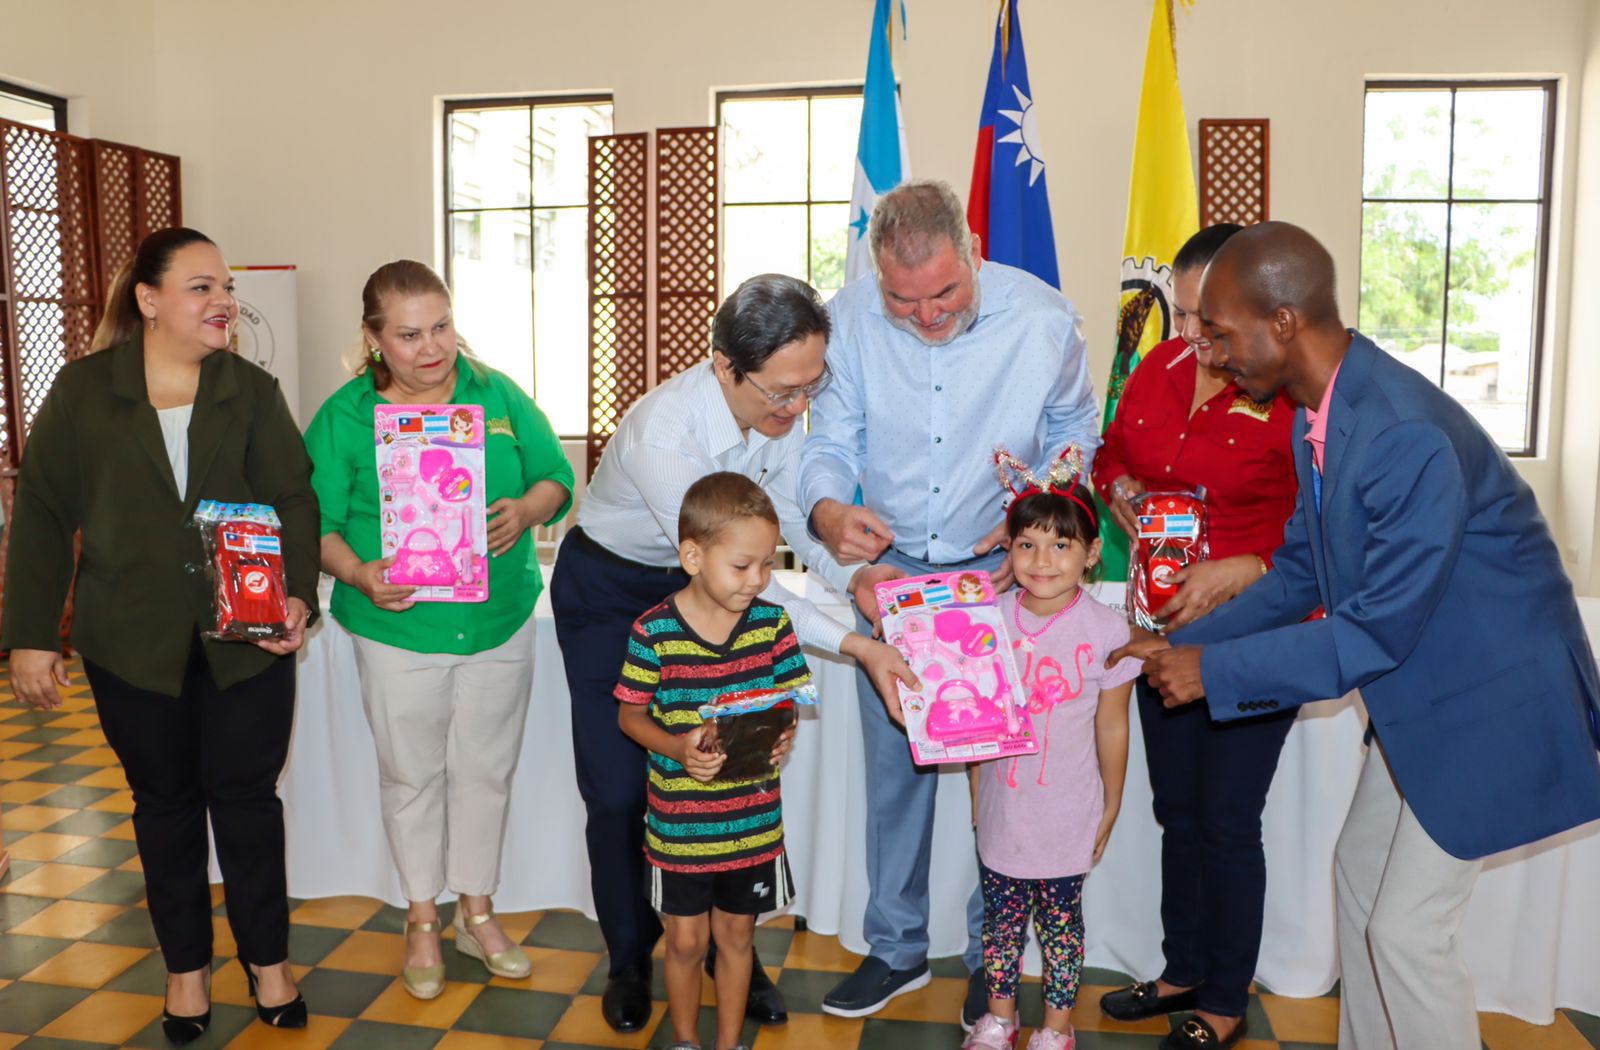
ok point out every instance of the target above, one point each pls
(1061, 479)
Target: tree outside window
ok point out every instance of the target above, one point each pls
(1454, 236)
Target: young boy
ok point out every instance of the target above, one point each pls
(715, 847)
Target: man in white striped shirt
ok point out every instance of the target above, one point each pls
(740, 411)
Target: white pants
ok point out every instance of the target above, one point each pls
(1404, 984)
(449, 731)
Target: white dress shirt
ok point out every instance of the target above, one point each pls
(916, 425)
(175, 434)
(674, 436)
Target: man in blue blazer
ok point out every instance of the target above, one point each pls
(1448, 608)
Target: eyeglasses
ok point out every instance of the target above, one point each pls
(789, 397)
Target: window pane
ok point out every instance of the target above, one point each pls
(493, 302)
(1499, 139)
(561, 151)
(561, 316)
(763, 239)
(765, 143)
(1402, 281)
(27, 111)
(835, 129)
(1489, 356)
(828, 225)
(1407, 144)
(489, 158)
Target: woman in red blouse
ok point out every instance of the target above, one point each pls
(1182, 424)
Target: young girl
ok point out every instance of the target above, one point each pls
(1043, 820)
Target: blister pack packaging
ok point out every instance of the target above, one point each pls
(745, 726)
(243, 543)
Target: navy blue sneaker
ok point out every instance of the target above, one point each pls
(872, 985)
(977, 1002)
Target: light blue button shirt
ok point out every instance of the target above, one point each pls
(917, 425)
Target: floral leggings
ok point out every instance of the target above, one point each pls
(1056, 907)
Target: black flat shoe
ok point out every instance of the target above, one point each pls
(285, 1015)
(625, 1005)
(181, 1031)
(765, 1005)
(1195, 1034)
(1139, 1001)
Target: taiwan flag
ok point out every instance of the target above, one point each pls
(1008, 207)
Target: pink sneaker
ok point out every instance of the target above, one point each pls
(1050, 1039)
(991, 1033)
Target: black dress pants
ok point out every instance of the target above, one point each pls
(216, 751)
(1210, 785)
(596, 596)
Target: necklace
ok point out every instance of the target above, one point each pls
(1028, 637)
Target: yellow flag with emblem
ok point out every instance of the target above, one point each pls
(1162, 215)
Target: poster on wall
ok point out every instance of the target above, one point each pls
(268, 320)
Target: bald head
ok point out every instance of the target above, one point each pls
(1275, 265)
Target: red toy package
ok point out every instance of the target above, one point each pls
(1172, 536)
(244, 561)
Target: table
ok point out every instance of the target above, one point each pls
(1530, 933)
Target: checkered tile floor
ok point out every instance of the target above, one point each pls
(78, 967)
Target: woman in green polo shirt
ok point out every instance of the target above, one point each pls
(445, 685)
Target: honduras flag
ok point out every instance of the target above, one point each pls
(1008, 207)
(881, 160)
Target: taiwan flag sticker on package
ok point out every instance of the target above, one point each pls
(1172, 536)
(243, 544)
(949, 629)
(746, 725)
(431, 494)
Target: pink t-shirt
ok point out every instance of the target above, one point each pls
(1038, 814)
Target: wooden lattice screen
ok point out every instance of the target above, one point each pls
(136, 192)
(1235, 160)
(686, 247)
(618, 264)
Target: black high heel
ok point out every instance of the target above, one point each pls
(287, 1015)
(181, 1030)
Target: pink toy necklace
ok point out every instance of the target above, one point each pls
(1029, 637)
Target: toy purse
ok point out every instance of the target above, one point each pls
(431, 497)
(1172, 536)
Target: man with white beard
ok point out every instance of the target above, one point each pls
(938, 358)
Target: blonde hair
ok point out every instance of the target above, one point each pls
(400, 279)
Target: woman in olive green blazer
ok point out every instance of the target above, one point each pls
(127, 442)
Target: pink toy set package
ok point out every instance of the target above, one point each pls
(972, 705)
(431, 489)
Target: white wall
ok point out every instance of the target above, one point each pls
(310, 130)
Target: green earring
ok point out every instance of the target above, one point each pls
(377, 355)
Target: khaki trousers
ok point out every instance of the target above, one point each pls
(1400, 900)
(448, 731)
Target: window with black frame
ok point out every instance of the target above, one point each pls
(1455, 234)
(37, 109)
(516, 230)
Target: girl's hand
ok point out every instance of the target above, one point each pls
(508, 519)
(1207, 584)
(295, 637)
(35, 673)
(783, 746)
(390, 597)
(702, 765)
(1122, 492)
(1103, 836)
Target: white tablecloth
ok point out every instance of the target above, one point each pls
(1532, 934)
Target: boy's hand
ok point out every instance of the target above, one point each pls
(702, 765)
(781, 748)
(1103, 836)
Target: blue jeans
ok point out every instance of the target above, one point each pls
(900, 801)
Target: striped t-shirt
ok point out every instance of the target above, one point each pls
(723, 825)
